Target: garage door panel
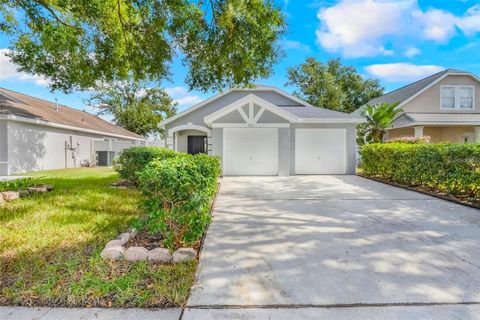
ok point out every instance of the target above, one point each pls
(250, 151)
(320, 151)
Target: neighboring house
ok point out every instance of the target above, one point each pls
(444, 106)
(39, 135)
(265, 131)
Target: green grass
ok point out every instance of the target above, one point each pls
(50, 248)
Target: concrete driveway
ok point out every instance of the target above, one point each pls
(304, 245)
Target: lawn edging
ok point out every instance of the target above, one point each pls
(422, 191)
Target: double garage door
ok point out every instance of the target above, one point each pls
(254, 151)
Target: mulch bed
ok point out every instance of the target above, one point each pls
(473, 203)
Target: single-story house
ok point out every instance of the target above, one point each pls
(40, 135)
(444, 106)
(266, 131)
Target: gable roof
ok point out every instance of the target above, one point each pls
(411, 90)
(25, 106)
(300, 109)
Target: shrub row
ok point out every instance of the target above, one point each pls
(179, 191)
(132, 161)
(450, 168)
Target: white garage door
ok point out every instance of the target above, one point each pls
(250, 151)
(320, 151)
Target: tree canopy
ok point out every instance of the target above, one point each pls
(133, 105)
(77, 44)
(332, 85)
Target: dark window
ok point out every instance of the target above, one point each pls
(197, 144)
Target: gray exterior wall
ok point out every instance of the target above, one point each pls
(3, 148)
(286, 135)
(30, 147)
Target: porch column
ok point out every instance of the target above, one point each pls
(418, 131)
(209, 144)
(476, 134)
(169, 143)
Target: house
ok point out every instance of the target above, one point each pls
(39, 135)
(265, 131)
(444, 106)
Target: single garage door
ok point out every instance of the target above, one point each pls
(320, 151)
(250, 151)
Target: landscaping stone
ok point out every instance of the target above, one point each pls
(124, 237)
(136, 254)
(184, 254)
(23, 193)
(159, 255)
(113, 252)
(11, 195)
(114, 243)
(48, 186)
(1, 198)
(37, 189)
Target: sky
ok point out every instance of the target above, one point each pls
(395, 41)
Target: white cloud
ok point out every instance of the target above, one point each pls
(9, 71)
(188, 100)
(296, 45)
(437, 25)
(183, 97)
(360, 28)
(402, 71)
(470, 22)
(356, 27)
(412, 52)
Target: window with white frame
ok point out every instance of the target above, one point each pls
(466, 97)
(448, 97)
(457, 97)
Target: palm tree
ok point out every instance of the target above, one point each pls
(379, 117)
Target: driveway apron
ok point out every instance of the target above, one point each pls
(335, 241)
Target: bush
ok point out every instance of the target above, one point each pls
(450, 168)
(411, 140)
(131, 161)
(179, 191)
(17, 184)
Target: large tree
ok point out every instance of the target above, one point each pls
(133, 105)
(332, 85)
(77, 44)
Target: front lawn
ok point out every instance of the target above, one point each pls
(50, 248)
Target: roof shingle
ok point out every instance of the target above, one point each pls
(23, 105)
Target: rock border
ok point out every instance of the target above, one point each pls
(115, 250)
(12, 195)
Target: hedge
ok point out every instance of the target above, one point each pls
(178, 193)
(130, 162)
(450, 168)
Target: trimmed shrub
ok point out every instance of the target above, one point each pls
(450, 168)
(131, 161)
(178, 193)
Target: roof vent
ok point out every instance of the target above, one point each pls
(56, 104)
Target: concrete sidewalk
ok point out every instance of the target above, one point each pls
(22, 313)
(436, 312)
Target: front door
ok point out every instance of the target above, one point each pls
(196, 144)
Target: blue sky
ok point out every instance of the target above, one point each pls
(395, 41)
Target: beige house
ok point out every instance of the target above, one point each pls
(444, 106)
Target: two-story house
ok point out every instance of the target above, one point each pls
(444, 106)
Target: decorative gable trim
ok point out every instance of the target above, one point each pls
(251, 118)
